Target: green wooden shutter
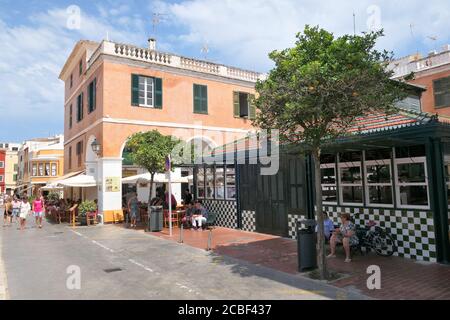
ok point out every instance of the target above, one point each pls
(197, 102)
(94, 95)
(251, 106)
(134, 90)
(158, 93)
(236, 109)
(82, 105)
(204, 99)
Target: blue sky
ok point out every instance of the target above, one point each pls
(35, 40)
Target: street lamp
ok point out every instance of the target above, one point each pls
(95, 146)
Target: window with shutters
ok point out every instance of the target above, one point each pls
(80, 67)
(200, 99)
(80, 107)
(92, 95)
(441, 88)
(70, 157)
(71, 81)
(146, 91)
(70, 117)
(243, 106)
(79, 152)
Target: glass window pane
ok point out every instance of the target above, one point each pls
(328, 175)
(41, 169)
(200, 183)
(209, 176)
(53, 169)
(220, 184)
(380, 195)
(329, 194)
(230, 183)
(47, 169)
(352, 194)
(378, 173)
(411, 172)
(350, 174)
(413, 195)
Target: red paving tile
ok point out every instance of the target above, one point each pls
(400, 278)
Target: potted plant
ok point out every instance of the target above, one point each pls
(84, 209)
(53, 198)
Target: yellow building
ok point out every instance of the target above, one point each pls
(41, 161)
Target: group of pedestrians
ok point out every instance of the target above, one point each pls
(17, 210)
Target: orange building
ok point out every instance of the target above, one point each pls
(433, 74)
(113, 90)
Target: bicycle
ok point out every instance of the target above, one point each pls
(373, 237)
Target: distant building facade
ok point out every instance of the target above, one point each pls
(40, 161)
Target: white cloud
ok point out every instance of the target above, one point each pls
(32, 56)
(244, 32)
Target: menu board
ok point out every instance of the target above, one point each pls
(112, 184)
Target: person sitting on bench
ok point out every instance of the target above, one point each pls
(328, 226)
(346, 235)
(187, 219)
(200, 215)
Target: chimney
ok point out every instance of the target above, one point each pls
(152, 44)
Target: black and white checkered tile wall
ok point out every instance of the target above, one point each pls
(413, 230)
(249, 221)
(292, 224)
(226, 211)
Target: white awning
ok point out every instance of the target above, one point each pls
(159, 178)
(80, 180)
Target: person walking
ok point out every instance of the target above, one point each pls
(16, 209)
(38, 210)
(8, 212)
(133, 207)
(25, 209)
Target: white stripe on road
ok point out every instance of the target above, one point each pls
(93, 241)
(140, 265)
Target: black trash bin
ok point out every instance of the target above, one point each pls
(306, 245)
(155, 219)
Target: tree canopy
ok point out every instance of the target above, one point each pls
(321, 85)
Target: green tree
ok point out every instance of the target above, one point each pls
(149, 150)
(316, 91)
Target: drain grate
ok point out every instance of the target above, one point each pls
(112, 270)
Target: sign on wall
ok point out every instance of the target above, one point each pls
(112, 184)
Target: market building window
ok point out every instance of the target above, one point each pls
(80, 107)
(350, 178)
(411, 177)
(41, 169)
(328, 178)
(79, 152)
(34, 170)
(209, 179)
(378, 174)
(201, 183)
(216, 182)
(447, 176)
(230, 182)
(219, 185)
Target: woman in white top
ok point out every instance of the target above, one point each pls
(25, 209)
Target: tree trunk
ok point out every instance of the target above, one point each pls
(152, 175)
(321, 261)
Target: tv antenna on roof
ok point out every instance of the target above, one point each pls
(205, 51)
(156, 20)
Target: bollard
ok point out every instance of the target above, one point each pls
(209, 240)
(181, 234)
